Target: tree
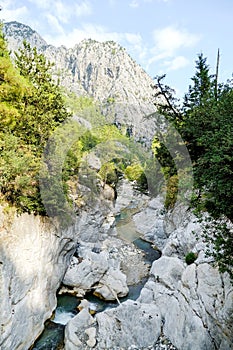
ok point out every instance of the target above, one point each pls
(45, 108)
(31, 107)
(205, 123)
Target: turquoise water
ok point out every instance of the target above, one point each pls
(51, 338)
(53, 334)
(151, 254)
(126, 230)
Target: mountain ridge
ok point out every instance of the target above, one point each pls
(102, 70)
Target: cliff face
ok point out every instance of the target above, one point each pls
(34, 255)
(104, 71)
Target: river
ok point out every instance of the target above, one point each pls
(53, 334)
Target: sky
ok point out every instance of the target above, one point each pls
(163, 36)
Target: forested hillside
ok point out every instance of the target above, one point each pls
(32, 106)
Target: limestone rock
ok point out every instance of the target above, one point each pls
(103, 71)
(168, 271)
(31, 270)
(128, 197)
(96, 268)
(93, 161)
(131, 323)
(75, 331)
(108, 192)
(86, 273)
(197, 312)
(112, 285)
(149, 222)
(35, 253)
(91, 332)
(126, 257)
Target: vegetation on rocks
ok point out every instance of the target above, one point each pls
(33, 107)
(190, 258)
(205, 123)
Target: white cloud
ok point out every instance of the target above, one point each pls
(83, 9)
(42, 4)
(176, 63)
(134, 4)
(54, 23)
(170, 39)
(96, 32)
(168, 42)
(63, 10)
(12, 13)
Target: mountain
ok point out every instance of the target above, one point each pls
(103, 70)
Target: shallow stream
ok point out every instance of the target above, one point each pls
(53, 334)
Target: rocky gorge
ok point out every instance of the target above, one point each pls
(187, 306)
(181, 306)
(191, 305)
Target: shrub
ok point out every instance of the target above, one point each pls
(136, 173)
(190, 258)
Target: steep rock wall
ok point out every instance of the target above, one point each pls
(34, 254)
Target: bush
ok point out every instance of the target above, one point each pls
(172, 190)
(190, 258)
(108, 173)
(136, 173)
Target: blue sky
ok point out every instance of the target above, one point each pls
(163, 36)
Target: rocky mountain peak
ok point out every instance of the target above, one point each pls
(17, 32)
(102, 70)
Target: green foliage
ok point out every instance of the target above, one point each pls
(218, 232)
(135, 172)
(86, 108)
(44, 109)
(205, 123)
(77, 104)
(202, 89)
(171, 192)
(108, 173)
(110, 100)
(18, 175)
(190, 258)
(88, 141)
(108, 132)
(31, 107)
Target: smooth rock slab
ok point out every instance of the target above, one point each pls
(131, 323)
(168, 271)
(86, 273)
(75, 329)
(114, 285)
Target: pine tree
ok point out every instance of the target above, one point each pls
(208, 132)
(45, 107)
(31, 107)
(205, 123)
(202, 88)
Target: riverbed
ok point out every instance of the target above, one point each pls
(53, 334)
